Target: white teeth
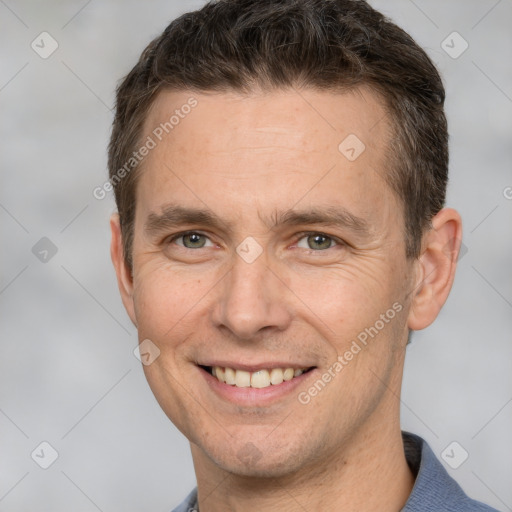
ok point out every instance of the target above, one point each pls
(243, 379)
(276, 376)
(288, 374)
(259, 379)
(219, 373)
(230, 375)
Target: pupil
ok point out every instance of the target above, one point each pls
(195, 239)
(317, 239)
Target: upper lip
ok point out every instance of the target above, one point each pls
(252, 367)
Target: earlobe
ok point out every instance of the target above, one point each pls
(435, 268)
(123, 273)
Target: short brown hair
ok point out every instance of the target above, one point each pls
(318, 44)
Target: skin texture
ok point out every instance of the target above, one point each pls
(245, 158)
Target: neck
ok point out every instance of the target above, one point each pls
(369, 473)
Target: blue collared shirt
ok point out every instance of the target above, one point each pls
(434, 489)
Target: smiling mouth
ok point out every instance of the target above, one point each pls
(259, 379)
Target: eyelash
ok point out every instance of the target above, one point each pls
(298, 236)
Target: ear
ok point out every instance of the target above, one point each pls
(123, 273)
(435, 268)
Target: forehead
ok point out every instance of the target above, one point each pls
(288, 114)
(258, 149)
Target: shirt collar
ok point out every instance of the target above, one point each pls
(433, 489)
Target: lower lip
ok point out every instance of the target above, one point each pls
(254, 396)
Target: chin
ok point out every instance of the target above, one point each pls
(260, 470)
(257, 460)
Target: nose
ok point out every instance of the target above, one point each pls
(252, 298)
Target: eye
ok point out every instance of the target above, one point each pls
(312, 241)
(317, 241)
(191, 240)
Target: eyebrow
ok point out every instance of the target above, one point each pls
(173, 216)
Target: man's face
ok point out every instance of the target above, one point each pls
(271, 286)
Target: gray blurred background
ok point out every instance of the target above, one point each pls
(68, 376)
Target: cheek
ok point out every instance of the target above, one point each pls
(358, 310)
(344, 296)
(165, 300)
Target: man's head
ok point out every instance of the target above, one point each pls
(334, 45)
(295, 124)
